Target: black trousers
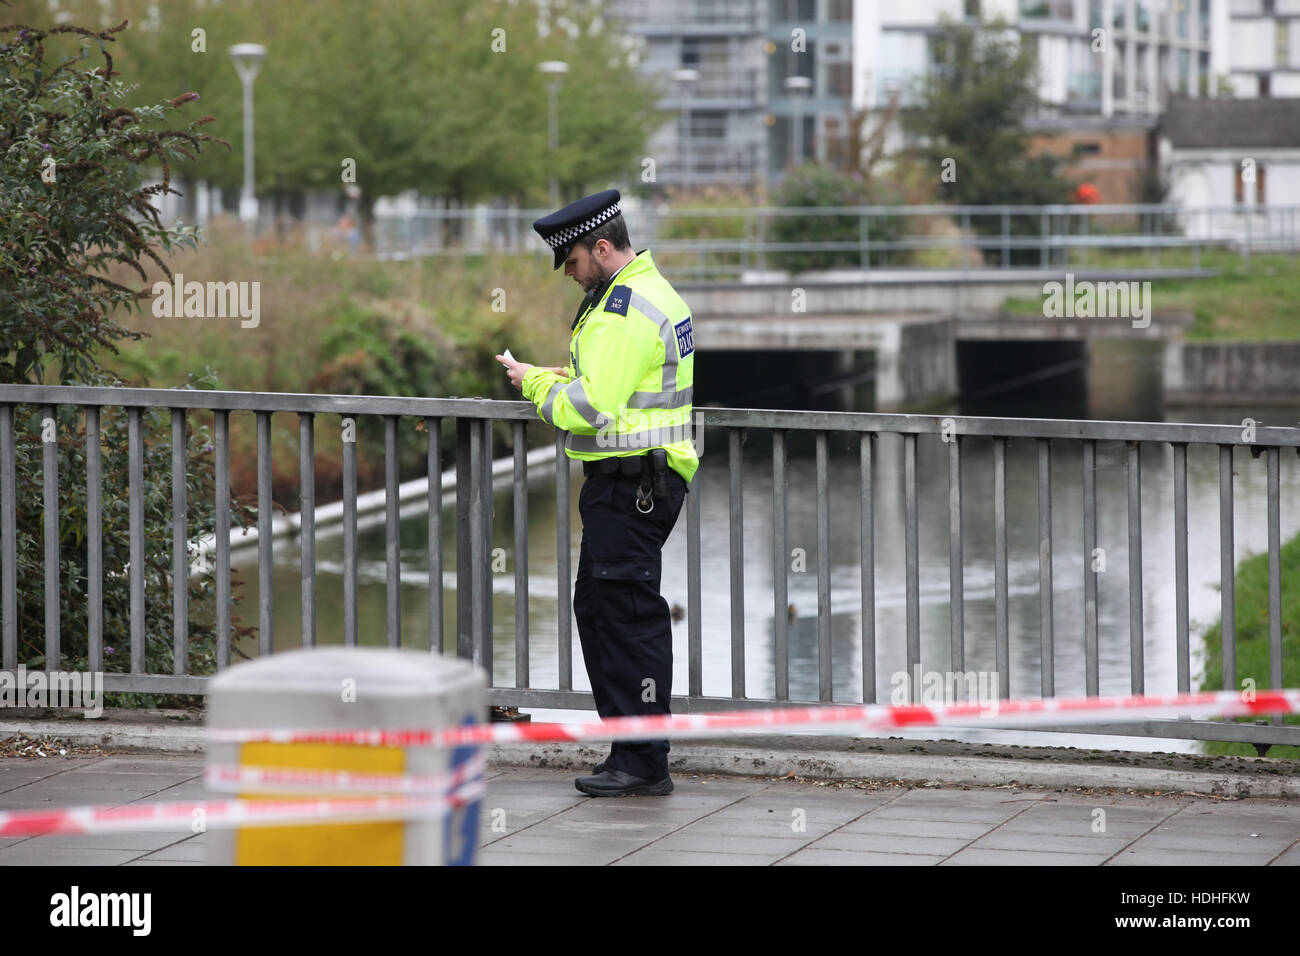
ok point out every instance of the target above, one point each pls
(623, 620)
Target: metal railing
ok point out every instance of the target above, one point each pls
(729, 243)
(473, 529)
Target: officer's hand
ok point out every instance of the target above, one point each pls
(515, 371)
(562, 372)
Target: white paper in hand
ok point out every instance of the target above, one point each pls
(506, 354)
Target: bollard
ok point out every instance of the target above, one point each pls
(347, 688)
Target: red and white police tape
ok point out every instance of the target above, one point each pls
(200, 815)
(435, 796)
(998, 713)
(251, 779)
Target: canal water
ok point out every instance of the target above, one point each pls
(1250, 537)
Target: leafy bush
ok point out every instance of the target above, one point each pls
(813, 185)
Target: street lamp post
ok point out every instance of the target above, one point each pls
(686, 79)
(798, 87)
(248, 59)
(554, 69)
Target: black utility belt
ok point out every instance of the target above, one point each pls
(628, 465)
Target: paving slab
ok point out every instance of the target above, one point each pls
(891, 843)
(1289, 857)
(977, 857)
(1156, 856)
(818, 856)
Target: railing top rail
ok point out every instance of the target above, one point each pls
(268, 401)
(934, 209)
(964, 426)
(789, 420)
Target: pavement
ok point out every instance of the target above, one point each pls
(532, 815)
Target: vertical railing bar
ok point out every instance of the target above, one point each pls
(50, 483)
(307, 527)
(1274, 574)
(221, 439)
(483, 580)
(1227, 570)
(135, 499)
(1135, 593)
(392, 535)
(464, 542)
(866, 509)
(265, 555)
(1002, 646)
(1183, 650)
(956, 599)
(9, 532)
(522, 676)
(780, 579)
(911, 562)
(825, 686)
(94, 540)
(433, 432)
(350, 613)
(180, 555)
(477, 554)
(563, 549)
(694, 655)
(736, 553)
(1047, 649)
(1089, 572)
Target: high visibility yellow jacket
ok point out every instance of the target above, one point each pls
(628, 386)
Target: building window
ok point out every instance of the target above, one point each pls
(1282, 45)
(1088, 148)
(839, 11)
(839, 79)
(1265, 85)
(1047, 9)
(1241, 184)
(971, 9)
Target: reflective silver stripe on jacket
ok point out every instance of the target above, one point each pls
(666, 334)
(548, 406)
(668, 400)
(582, 404)
(646, 438)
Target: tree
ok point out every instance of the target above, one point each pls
(71, 206)
(970, 124)
(72, 203)
(443, 98)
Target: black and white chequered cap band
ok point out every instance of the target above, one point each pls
(569, 233)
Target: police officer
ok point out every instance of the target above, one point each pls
(624, 403)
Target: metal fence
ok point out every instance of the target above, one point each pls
(729, 243)
(472, 421)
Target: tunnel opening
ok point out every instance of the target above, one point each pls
(812, 380)
(1023, 379)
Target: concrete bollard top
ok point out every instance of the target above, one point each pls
(337, 687)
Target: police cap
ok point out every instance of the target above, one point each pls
(563, 228)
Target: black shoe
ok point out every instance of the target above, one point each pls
(601, 767)
(616, 783)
